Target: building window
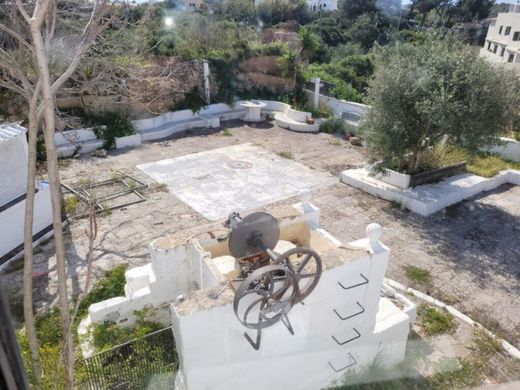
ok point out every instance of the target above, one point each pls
(495, 48)
(500, 29)
(502, 51)
(508, 30)
(516, 36)
(489, 45)
(511, 57)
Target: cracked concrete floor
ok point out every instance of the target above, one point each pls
(472, 249)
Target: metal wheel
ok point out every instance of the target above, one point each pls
(265, 296)
(307, 267)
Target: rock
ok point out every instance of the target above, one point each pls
(356, 141)
(100, 153)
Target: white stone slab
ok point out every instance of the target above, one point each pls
(430, 198)
(235, 178)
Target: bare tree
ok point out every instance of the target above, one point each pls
(28, 33)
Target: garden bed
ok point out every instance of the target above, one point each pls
(403, 180)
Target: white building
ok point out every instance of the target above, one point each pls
(502, 44)
(324, 5)
(13, 184)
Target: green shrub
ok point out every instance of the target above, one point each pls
(333, 126)
(112, 285)
(109, 125)
(70, 203)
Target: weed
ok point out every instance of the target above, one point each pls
(227, 133)
(163, 187)
(70, 202)
(333, 126)
(82, 182)
(335, 142)
(105, 210)
(417, 275)
(434, 321)
(285, 154)
(395, 204)
(484, 343)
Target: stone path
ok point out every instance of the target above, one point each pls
(472, 249)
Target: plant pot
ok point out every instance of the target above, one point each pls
(309, 121)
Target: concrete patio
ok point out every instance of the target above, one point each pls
(471, 249)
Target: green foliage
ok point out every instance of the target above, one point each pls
(350, 75)
(434, 321)
(441, 90)
(227, 133)
(111, 286)
(70, 203)
(285, 154)
(41, 153)
(109, 125)
(193, 101)
(242, 11)
(109, 334)
(482, 164)
(417, 275)
(309, 43)
(274, 12)
(333, 126)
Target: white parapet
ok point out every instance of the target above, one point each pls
(429, 198)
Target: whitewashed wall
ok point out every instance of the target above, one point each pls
(508, 149)
(13, 168)
(12, 219)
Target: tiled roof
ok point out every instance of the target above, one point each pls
(10, 130)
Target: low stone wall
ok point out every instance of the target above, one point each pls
(509, 149)
(352, 112)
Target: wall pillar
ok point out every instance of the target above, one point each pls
(316, 102)
(206, 81)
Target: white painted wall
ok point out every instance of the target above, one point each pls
(508, 149)
(429, 198)
(13, 168)
(338, 107)
(12, 219)
(215, 355)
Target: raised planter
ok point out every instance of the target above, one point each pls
(403, 180)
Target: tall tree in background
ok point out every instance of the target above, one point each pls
(27, 67)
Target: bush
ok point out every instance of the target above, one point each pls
(333, 126)
(109, 125)
(111, 286)
(110, 334)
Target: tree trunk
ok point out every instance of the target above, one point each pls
(28, 249)
(55, 188)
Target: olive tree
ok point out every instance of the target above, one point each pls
(438, 90)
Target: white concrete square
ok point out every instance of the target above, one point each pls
(235, 178)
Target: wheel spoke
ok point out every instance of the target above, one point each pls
(308, 275)
(304, 263)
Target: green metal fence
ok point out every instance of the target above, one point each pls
(149, 362)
